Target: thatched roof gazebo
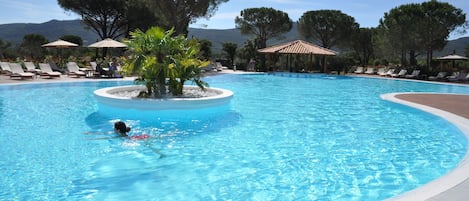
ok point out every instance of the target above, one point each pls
(299, 47)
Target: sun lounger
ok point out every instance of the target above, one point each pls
(461, 77)
(46, 71)
(17, 71)
(359, 70)
(99, 71)
(74, 70)
(381, 71)
(94, 71)
(220, 67)
(5, 67)
(370, 71)
(453, 76)
(389, 72)
(30, 67)
(439, 76)
(414, 75)
(93, 65)
(465, 79)
(401, 73)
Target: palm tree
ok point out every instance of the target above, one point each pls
(163, 63)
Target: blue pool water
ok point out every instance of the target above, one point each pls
(283, 137)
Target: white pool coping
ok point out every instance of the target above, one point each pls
(106, 96)
(455, 184)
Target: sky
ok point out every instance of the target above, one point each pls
(367, 13)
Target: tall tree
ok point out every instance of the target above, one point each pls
(4, 45)
(420, 27)
(230, 50)
(205, 49)
(264, 23)
(362, 44)
(398, 28)
(140, 16)
(105, 17)
(31, 45)
(329, 27)
(248, 51)
(440, 19)
(178, 14)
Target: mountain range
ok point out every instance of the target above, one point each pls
(54, 29)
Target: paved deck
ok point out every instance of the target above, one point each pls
(453, 103)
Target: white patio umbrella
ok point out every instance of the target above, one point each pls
(59, 44)
(107, 43)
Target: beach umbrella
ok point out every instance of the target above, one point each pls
(107, 43)
(60, 44)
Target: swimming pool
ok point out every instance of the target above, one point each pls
(284, 137)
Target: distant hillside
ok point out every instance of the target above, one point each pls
(54, 29)
(457, 45)
(218, 37)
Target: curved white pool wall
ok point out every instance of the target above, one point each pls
(105, 96)
(169, 108)
(453, 185)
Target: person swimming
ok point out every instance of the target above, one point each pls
(122, 129)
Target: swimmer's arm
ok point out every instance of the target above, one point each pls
(103, 138)
(97, 132)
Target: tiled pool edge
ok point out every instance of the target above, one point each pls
(452, 186)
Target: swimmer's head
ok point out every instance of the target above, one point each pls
(121, 128)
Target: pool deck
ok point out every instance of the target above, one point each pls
(454, 103)
(452, 107)
(5, 79)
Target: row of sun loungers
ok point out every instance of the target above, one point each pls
(16, 70)
(454, 77)
(415, 74)
(458, 77)
(30, 71)
(390, 72)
